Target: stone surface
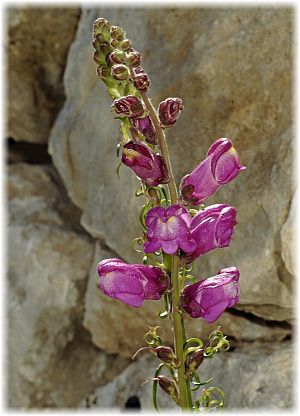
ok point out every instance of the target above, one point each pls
(252, 377)
(38, 42)
(52, 362)
(232, 67)
(119, 328)
(288, 239)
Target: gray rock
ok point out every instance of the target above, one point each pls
(38, 42)
(288, 239)
(255, 376)
(52, 361)
(232, 67)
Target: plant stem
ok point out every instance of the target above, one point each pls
(178, 324)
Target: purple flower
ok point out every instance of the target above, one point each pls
(131, 283)
(141, 81)
(168, 229)
(169, 111)
(209, 298)
(220, 167)
(212, 228)
(145, 126)
(146, 165)
(129, 106)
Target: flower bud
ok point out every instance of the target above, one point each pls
(194, 361)
(169, 111)
(146, 127)
(103, 71)
(166, 354)
(133, 58)
(105, 48)
(120, 72)
(138, 70)
(101, 26)
(169, 386)
(129, 106)
(117, 33)
(98, 57)
(117, 57)
(126, 44)
(141, 82)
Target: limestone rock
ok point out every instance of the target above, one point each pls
(258, 376)
(232, 67)
(288, 239)
(118, 328)
(38, 43)
(52, 361)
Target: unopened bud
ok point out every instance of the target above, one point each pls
(117, 57)
(169, 111)
(169, 386)
(133, 58)
(141, 82)
(126, 44)
(101, 26)
(103, 71)
(114, 43)
(117, 33)
(129, 106)
(138, 70)
(120, 72)
(146, 127)
(98, 57)
(105, 48)
(194, 361)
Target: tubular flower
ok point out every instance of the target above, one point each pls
(220, 167)
(168, 229)
(169, 111)
(145, 126)
(209, 298)
(146, 165)
(212, 228)
(131, 283)
(129, 106)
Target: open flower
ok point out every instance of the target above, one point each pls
(147, 165)
(209, 298)
(168, 229)
(212, 228)
(145, 126)
(220, 167)
(131, 283)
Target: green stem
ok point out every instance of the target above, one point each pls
(178, 324)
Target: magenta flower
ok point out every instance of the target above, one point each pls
(209, 298)
(169, 111)
(212, 228)
(168, 229)
(145, 126)
(146, 165)
(220, 167)
(129, 106)
(131, 283)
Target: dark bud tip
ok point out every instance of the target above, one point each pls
(103, 71)
(101, 26)
(105, 48)
(126, 44)
(117, 33)
(120, 72)
(117, 57)
(133, 58)
(141, 82)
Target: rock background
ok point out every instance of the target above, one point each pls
(68, 345)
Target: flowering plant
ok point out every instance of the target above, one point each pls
(174, 233)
